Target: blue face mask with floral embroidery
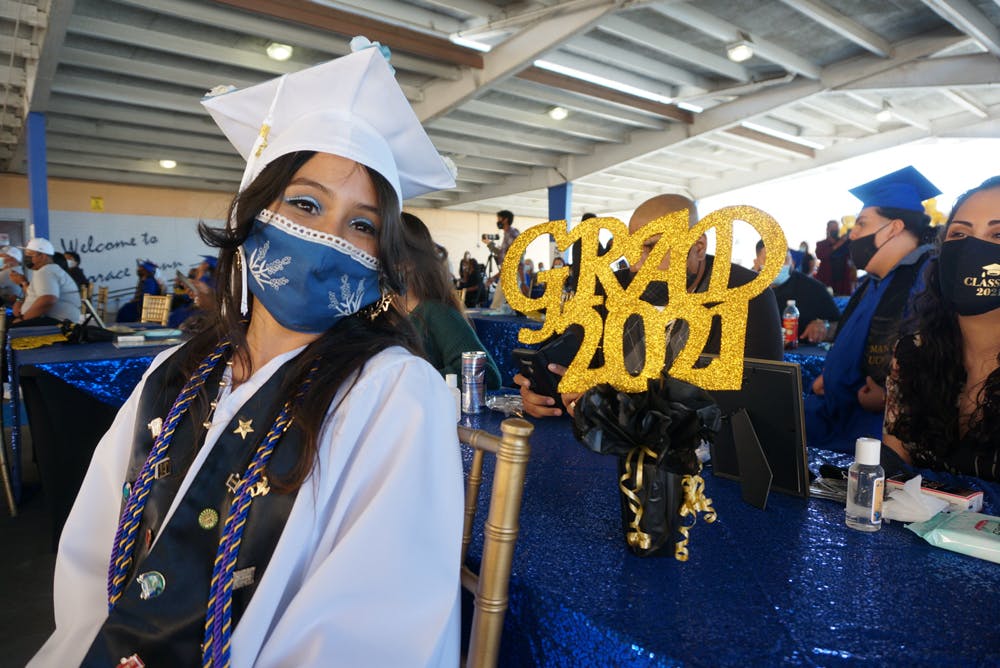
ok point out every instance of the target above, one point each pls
(306, 279)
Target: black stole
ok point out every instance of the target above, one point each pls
(168, 629)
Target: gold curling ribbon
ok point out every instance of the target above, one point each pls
(635, 536)
(694, 502)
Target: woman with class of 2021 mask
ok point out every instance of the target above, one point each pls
(943, 406)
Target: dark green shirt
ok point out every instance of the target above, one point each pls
(446, 335)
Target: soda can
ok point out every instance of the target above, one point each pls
(473, 381)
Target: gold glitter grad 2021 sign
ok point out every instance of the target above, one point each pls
(695, 308)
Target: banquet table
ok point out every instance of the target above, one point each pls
(71, 395)
(789, 585)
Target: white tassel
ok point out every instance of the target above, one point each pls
(244, 300)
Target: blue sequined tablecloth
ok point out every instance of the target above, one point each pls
(789, 585)
(498, 334)
(110, 381)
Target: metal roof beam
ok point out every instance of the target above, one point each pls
(251, 24)
(508, 59)
(965, 101)
(152, 71)
(981, 69)
(190, 156)
(647, 142)
(584, 104)
(568, 126)
(18, 46)
(139, 178)
(633, 62)
(529, 139)
(184, 124)
(341, 22)
(467, 147)
(964, 16)
(89, 161)
(775, 144)
(127, 94)
(955, 124)
(399, 14)
(23, 13)
(673, 47)
(489, 165)
(842, 25)
(726, 32)
(582, 87)
(800, 118)
(125, 133)
(611, 71)
(837, 111)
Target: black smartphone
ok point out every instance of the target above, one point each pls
(534, 364)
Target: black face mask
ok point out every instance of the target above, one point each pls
(29, 262)
(499, 224)
(863, 249)
(969, 270)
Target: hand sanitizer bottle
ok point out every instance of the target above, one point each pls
(865, 486)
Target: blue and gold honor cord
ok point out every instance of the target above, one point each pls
(218, 620)
(128, 524)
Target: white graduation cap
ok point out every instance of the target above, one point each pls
(351, 107)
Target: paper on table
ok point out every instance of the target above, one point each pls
(909, 504)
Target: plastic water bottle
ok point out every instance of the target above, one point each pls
(451, 380)
(790, 325)
(865, 486)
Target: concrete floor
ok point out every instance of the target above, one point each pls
(27, 562)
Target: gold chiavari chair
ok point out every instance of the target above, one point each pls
(101, 303)
(155, 308)
(489, 586)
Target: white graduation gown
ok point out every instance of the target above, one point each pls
(366, 572)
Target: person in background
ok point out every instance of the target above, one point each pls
(74, 269)
(891, 241)
(287, 485)
(505, 223)
(836, 269)
(557, 262)
(526, 276)
(816, 307)
(763, 335)
(10, 260)
(51, 297)
(470, 279)
(433, 307)
(808, 264)
(146, 284)
(943, 405)
(205, 271)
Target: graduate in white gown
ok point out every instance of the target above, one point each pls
(285, 489)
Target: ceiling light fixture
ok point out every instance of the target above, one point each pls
(740, 50)
(558, 113)
(277, 51)
(885, 114)
(168, 164)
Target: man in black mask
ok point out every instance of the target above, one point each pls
(891, 241)
(505, 223)
(763, 336)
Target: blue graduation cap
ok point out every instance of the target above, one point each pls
(147, 265)
(903, 189)
(210, 260)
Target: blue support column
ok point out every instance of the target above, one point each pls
(560, 201)
(38, 183)
(560, 205)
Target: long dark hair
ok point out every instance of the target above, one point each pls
(426, 273)
(343, 349)
(932, 373)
